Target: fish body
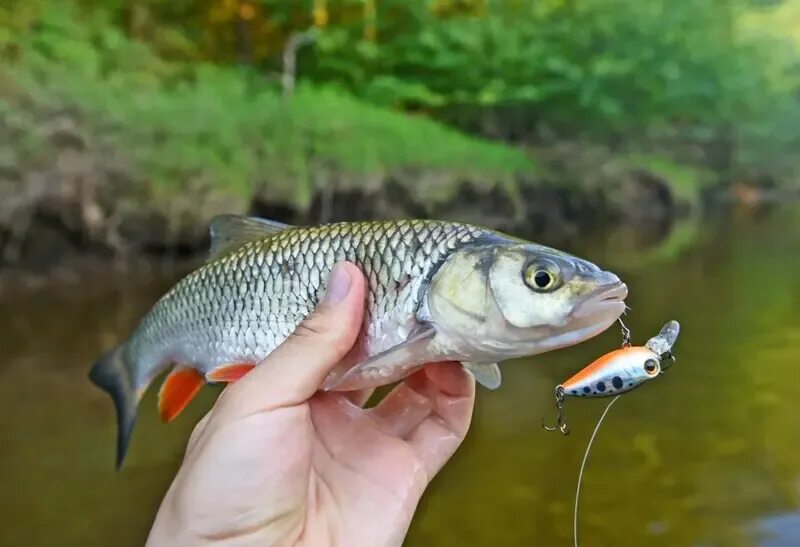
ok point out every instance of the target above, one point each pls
(240, 306)
(436, 291)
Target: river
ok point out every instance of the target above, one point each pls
(707, 455)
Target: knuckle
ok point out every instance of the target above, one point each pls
(310, 328)
(318, 325)
(321, 330)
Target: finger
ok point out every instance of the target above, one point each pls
(438, 436)
(408, 404)
(449, 379)
(348, 437)
(360, 397)
(197, 432)
(294, 371)
(344, 429)
(402, 410)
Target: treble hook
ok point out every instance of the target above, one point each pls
(561, 418)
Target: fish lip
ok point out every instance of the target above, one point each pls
(618, 291)
(607, 298)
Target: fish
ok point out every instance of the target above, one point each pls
(624, 369)
(436, 291)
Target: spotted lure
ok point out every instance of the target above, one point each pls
(437, 291)
(613, 374)
(618, 371)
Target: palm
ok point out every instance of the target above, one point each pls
(327, 472)
(368, 468)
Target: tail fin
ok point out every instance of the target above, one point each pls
(112, 375)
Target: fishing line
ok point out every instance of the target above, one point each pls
(583, 466)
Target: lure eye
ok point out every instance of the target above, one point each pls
(542, 277)
(651, 367)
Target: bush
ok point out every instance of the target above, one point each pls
(226, 128)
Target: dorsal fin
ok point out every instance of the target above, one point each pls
(229, 232)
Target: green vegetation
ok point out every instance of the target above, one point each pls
(722, 74)
(192, 102)
(181, 123)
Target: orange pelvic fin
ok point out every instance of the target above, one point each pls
(229, 373)
(180, 387)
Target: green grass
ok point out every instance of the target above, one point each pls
(185, 128)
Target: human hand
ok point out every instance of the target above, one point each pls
(277, 463)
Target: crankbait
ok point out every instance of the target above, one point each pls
(619, 371)
(614, 373)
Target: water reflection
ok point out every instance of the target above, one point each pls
(693, 459)
(779, 530)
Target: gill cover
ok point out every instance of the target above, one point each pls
(521, 304)
(459, 290)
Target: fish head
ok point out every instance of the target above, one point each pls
(515, 299)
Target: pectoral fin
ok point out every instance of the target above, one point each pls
(178, 389)
(487, 375)
(386, 367)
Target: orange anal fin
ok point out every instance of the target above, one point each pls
(229, 373)
(180, 387)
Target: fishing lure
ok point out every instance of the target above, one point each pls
(614, 373)
(618, 371)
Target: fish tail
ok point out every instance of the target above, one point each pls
(113, 375)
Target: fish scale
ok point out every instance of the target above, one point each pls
(267, 287)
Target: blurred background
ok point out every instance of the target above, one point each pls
(659, 139)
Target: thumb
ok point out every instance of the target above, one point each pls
(295, 370)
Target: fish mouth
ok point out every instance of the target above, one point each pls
(599, 310)
(603, 302)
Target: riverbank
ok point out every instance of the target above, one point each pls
(108, 150)
(83, 215)
(76, 193)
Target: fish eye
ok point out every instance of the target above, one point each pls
(542, 279)
(651, 367)
(542, 276)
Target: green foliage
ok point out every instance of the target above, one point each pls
(713, 74)
(603, 69)
(597, 65)
(227, 129)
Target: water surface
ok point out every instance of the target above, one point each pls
(709, 455)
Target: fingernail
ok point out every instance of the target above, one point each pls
(338, 284)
